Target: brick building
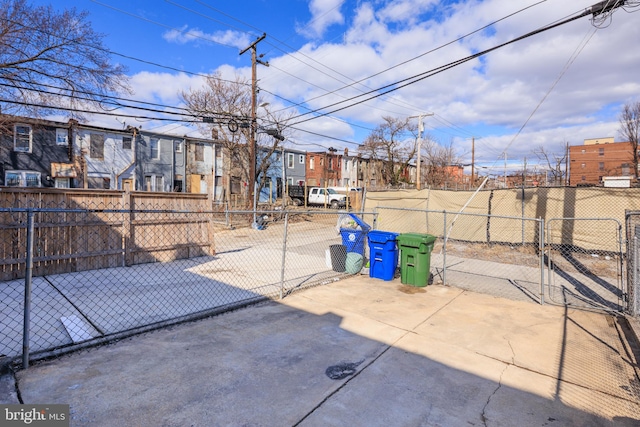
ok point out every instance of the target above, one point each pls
(598, 158)
(324, 169)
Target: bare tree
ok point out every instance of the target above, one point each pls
(629, 128)
(554, 161)
(394, 144)
(53, 62)
(440, 159)
(225, 107)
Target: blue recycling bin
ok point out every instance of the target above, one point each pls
(383, 254)
(354, 238)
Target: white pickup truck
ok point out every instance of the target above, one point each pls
(318, 196)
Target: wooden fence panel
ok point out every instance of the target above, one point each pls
(103, 234)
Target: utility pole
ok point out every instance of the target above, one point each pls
(253, 127)
(473, 157)
(505, 169)
(420, 130)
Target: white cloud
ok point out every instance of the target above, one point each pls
(186, 35)
(324, 13)
(491, 97)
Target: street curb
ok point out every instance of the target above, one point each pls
(8, 393)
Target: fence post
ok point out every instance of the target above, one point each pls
(27, 290)
(633, 288)
(541, 252)
(284, 252)
(444, 250)
(226, 214)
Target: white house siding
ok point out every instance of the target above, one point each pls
(117, 162)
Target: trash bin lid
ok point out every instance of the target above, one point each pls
(415, 239)
(379, 236)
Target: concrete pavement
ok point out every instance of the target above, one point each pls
(359, 351)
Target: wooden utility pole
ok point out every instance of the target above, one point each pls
(473, 157)
(253, 127)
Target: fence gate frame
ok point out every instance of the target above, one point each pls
(632, 229)
(589, 299)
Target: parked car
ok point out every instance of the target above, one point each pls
(317, 196)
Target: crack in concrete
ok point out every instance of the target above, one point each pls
(483, 416)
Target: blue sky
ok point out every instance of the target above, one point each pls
(584, 75)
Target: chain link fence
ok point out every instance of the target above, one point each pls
(73, 277)
(491, 254)
(586, 261)
(632, 227)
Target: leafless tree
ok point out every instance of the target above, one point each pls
(394, 144)
(629, 128)
(52, 62)
(554, 161)
(225, 107)
(439, 160)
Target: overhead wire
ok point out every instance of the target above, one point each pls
(421, 76)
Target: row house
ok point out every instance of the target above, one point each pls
(598, 158)
(103, 158)
(324, 169)
(35, 153)
(44, 153)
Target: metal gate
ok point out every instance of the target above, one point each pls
(585, 260)
(632, 225)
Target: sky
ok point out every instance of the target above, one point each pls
(559, 86)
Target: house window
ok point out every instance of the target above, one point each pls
(301, 159)
(290, 160)
(178, 186)
(96, 146)
(199, 152)
(22, 138)
(154, 149)
(99, 182)
(330, 164)
(601, 166)
(584, 178)
(22, 179)
(126, 143)
(154, 183)
(625, 169)
(584, 165)
(601, 151)
(178, 146)
(12, 179)
(62, 137)
(62, 183)
(312, 162)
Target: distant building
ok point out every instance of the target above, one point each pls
(598, 158)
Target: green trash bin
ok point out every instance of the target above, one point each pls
(415, 258)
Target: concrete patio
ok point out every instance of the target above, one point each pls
(358, 351)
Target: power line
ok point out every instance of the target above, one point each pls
(419, 77)
(423, 54)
